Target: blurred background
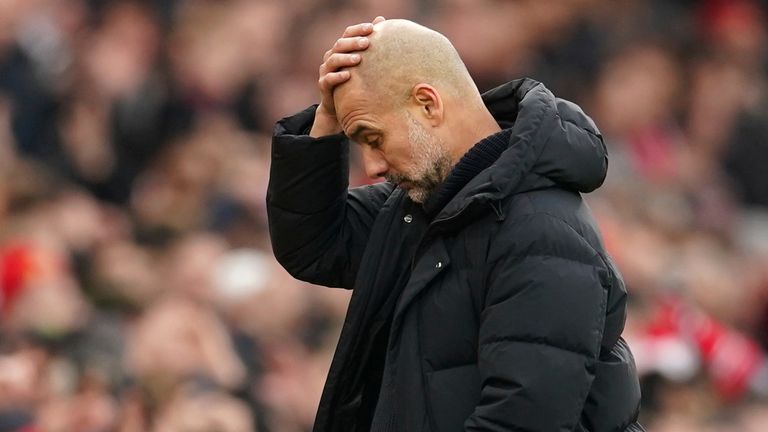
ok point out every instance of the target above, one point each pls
(137, 287)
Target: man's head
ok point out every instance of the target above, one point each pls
(408, 103)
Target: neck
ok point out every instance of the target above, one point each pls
(472, 130)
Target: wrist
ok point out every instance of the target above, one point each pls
(325, 124)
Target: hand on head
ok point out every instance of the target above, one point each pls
(332, 73)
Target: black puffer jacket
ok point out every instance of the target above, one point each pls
(511, 316)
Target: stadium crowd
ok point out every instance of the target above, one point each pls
(137, 287)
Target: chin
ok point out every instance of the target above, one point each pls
(418, 195)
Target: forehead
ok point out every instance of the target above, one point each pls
(354, 102)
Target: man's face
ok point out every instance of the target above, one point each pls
(394, 144)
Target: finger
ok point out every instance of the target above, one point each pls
(339, 60)
(330, 80)
(358, 30)
(326, 55)
(344, 45)
(379, 19)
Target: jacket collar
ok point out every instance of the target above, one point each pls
(552, 143)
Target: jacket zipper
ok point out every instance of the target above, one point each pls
(431, 228)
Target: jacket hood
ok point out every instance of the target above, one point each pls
(553, 143)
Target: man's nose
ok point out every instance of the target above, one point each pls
(375, 164)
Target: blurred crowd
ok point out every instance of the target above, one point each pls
(137, 287)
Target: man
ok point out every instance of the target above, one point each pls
(483, 298)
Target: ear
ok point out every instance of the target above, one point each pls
(428, 102)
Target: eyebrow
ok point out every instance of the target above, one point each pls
(357, 130)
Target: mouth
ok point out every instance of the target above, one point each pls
(400, 181)
(405, 185)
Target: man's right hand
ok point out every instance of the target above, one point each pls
(342, 55)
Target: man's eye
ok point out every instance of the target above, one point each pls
(374, 142)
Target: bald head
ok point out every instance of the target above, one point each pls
(412, 104)
(402, 54)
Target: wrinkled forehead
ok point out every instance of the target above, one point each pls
(352, 99)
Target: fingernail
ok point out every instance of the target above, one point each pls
(355, 57)
(362, 42)
(368, 26)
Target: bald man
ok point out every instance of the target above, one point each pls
(483, 297)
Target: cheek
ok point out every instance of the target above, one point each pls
(402, 158)
(394, 148)
(398, 148)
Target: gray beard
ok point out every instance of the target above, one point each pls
(421, 189)
(433, 163)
